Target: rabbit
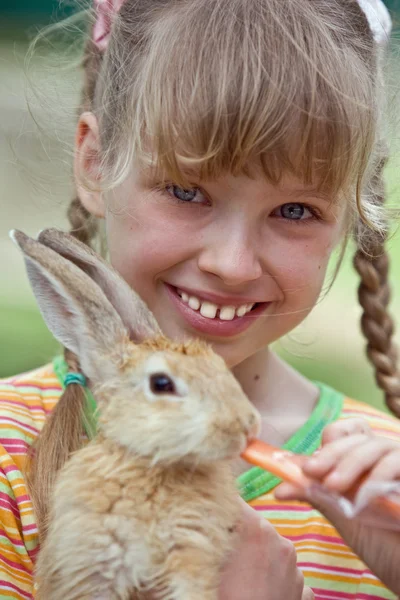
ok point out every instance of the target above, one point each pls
(149, 506)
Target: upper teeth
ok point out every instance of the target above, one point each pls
(209, 310)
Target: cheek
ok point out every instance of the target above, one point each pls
(144, 243)
(133, 247)
(300, 270)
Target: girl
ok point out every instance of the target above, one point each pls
(228, 148)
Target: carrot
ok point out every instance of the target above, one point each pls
(281, 463)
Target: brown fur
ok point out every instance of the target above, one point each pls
(124, 524)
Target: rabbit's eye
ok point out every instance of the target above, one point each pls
(162, 384)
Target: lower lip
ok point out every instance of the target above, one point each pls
(215, 327)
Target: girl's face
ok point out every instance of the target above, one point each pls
(236, 261)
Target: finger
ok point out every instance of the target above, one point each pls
(288, 491)
(298, 585)
(388, 468)
(253, 526)
(318, 466)
(287, 556)
(247, 512)
(360, 460)
(308, 594)
(248, 521)
(345, 428)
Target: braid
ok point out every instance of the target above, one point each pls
(83, 226)
(372, 263)
(62, 433)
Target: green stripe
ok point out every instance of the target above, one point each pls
(13, 475)
(336, 586)
(20, 550)
(32, 544)
(347, 587)
(271, 513)
(256, 481)
(28, 389)
(6, 489)
(373, 590)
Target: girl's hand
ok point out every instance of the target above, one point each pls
(349, 451)
(263, 566)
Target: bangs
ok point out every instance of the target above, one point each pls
(221, 89)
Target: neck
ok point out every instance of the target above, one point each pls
(284, 398)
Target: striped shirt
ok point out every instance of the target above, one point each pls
(332, 570)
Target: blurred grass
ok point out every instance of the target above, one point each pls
(25, 342)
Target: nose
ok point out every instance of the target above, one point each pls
(231, 257)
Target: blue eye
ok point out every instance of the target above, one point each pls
(184, 195)
(294, 211)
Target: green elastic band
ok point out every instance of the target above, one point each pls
(75, 378)
(90, 410)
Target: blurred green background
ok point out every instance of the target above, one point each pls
(35, 188)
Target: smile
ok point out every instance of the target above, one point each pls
(215, 318)
(209, 310)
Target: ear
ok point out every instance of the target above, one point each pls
(73, 306)
(87, 169)
(134, 313)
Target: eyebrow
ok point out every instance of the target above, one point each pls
(153, 169)
(311, 192)
(300, 193)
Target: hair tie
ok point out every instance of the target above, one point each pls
(77, 378)
(379, 20)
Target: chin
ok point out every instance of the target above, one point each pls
(231, 354)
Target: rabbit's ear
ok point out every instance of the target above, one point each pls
(74, 307)
(134, 313)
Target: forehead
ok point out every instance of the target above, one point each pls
(291, 103)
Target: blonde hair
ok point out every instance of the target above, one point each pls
(216, 87)
(212, 86)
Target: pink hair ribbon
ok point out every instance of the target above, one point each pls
(105, 11)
